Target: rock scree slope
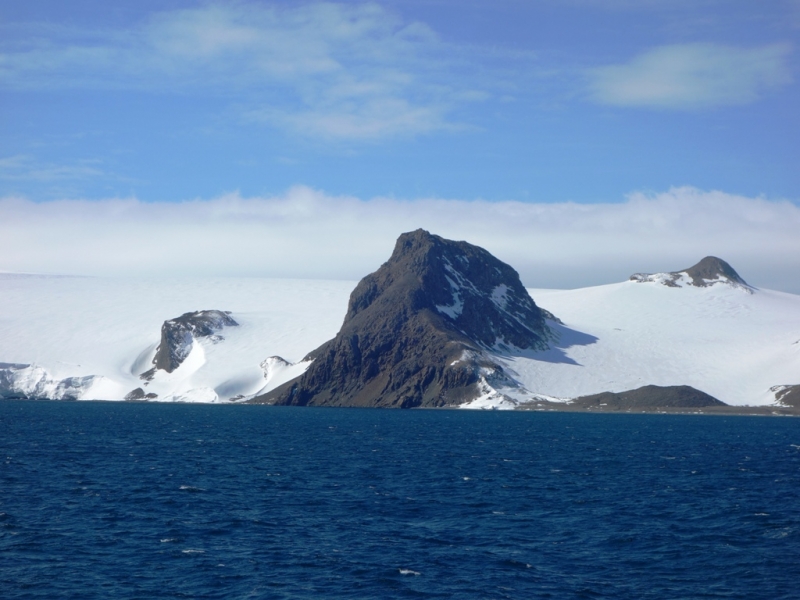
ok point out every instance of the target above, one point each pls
(417, 331)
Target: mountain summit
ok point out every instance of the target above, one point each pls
(417, 331)
(709, 271)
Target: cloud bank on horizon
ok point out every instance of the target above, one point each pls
(537, 116)
(308, 234)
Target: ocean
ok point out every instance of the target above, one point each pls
(123, 500)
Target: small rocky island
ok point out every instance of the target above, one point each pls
(418, 331)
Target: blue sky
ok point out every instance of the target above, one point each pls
(580, 140)
(546, 101)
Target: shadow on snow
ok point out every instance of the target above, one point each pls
(564, 338)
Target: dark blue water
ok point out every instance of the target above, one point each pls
(112, 500)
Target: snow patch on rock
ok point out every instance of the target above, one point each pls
(708, 272)
(457, 285)
(499, 296)
(679, 280)
(278, 371)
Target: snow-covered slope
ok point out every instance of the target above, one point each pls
(91, 338)
(724, 340)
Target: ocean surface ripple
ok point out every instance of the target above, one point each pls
(102, 500)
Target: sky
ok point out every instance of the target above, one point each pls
(580, 140)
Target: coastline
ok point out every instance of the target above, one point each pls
(542, 406)
(751, 411)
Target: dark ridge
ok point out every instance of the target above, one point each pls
(651, 396)
(178, 334)
(416, 330)
(789, 395)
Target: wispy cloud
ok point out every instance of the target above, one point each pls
(692, 76)
(23, 167)
(306, 233)
(340, 70)
(369, 120)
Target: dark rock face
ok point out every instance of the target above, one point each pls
(709, 271)
(651, 396)
(178, 335)
(139, 394)
(416, 330)
(788, 395)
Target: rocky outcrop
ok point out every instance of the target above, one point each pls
(787, 395)
(709, 271)
(140, 394)
(650, 396)
(178, 336)
(417, 331)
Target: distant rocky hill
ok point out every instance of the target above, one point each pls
(650, 396)
(709, 271)
(417, 331)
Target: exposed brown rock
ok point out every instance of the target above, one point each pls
(139, 394)
(651, 396)
(709, 271)
(178, 335)
(416, 330)
(788, 395)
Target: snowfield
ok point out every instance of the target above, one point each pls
(90, 338)
(81, 326)
(724, 340)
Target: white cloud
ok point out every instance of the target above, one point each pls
(691, 76)
(338, 70)
(306, 233)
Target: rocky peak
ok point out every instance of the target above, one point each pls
(417, 330)
(178, 335)
(708, 272)
(472, 291)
